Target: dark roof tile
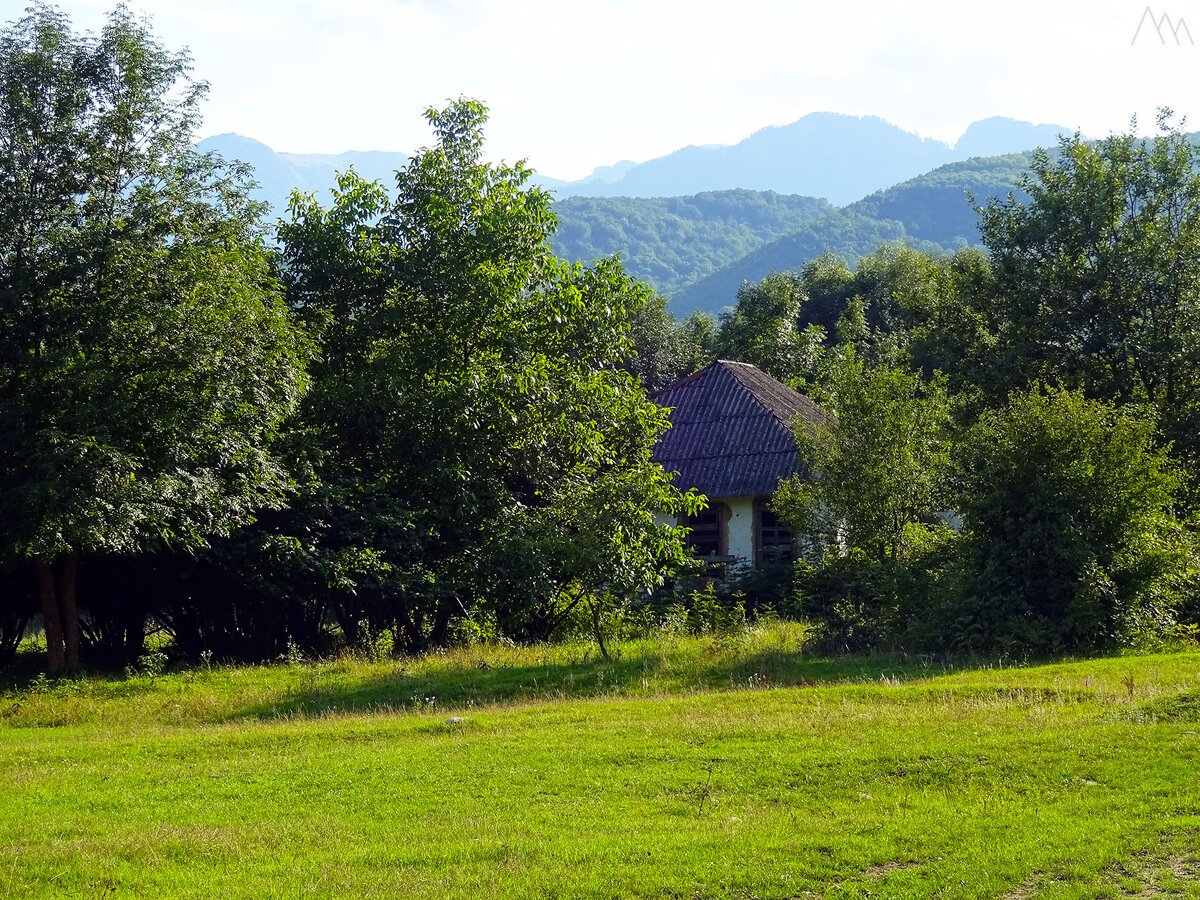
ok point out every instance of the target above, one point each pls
(730, 432)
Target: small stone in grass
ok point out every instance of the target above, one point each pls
(454, 720)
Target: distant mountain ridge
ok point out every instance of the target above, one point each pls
(838, 157)
(278, 174)
(829, 155)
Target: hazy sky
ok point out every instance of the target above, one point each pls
(575, 85)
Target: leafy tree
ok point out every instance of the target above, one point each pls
(871, 498)
(949, 327)
(696, 338)
(146, 356)
(470, 395)
(898, 307)
(763, 328)
(876, 467)
(1070, 536)
(1097, 275)
(665, 349)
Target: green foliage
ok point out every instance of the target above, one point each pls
(946, 327)
(763, 328)
(665, 349)
(705, 612)
(875, 469)
(477, 437)
(147, 359)
(697, 336)
(1070, 538)
(1097, 276)
(897, 307)
(869, 502)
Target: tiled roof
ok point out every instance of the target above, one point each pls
(730, 432)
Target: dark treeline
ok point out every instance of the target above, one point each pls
(400, 420)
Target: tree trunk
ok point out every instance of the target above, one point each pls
(599, 631)
(441, 621)
(51, 621)
(67, 577)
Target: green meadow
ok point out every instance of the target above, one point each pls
(737, 766)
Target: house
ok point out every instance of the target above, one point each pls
(731, 440)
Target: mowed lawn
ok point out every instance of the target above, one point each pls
(687, 768)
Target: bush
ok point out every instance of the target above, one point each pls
(1070, 537)
(861, 603)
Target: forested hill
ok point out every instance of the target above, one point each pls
(930, 212)
(672, 242)
(699, 250)
(935, 206)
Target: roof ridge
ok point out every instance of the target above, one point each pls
(764, 402)
(732, 429)
(686, 379)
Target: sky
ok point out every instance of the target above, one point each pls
(575, 85)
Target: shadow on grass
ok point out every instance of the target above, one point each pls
(649, 674)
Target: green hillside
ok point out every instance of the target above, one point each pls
(934, 206)
(671, 242)
(930, 212)
(847, 233)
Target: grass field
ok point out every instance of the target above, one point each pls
(689, 767)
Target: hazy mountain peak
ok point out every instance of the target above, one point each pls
(998, 135)
(824, 154)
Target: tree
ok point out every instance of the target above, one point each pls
(697, 342)
(871, 498)
(876, 467)
(1097, 276)
(762, 328)
(471, 395)
(665, 348)
(146, 356)
(1070, 534)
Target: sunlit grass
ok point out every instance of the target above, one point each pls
(689, 767)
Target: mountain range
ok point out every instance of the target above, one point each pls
(699, 222)
(836, 157)
(840, 158)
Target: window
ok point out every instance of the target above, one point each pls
(705, 537)
(775, 540)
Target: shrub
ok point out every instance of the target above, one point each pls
(1070, 537)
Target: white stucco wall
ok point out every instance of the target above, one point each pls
(741, 528)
